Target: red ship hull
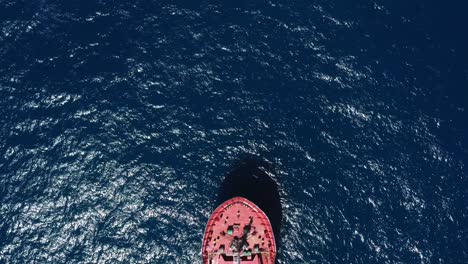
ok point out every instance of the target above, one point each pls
(238, 231)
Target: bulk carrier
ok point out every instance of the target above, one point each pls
(238, 232)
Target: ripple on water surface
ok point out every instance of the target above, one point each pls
(120, 124)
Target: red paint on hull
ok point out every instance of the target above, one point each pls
(238, 232)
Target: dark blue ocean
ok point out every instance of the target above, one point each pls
(121, 121)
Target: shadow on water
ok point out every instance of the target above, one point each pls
(249, 178)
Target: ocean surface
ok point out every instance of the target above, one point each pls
(120, 121)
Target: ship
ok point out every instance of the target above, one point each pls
(238, 232)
